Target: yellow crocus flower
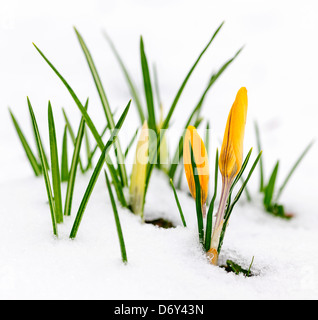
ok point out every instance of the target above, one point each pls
(138, 176)
(230, 162)
(202, 163)
(231, 156)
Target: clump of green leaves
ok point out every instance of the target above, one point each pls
(153, 106)
(205, 233)
(42, 166)
(118, 175)
(62, 172)
(272, 193)
(53, 185)
(237, 269)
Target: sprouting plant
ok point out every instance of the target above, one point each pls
(139, 171)
(237, 269)
(34, 159)
(198, 147)
(118, 175)
(53, 183)
(272, 195)
(231, 165)
(153, 107)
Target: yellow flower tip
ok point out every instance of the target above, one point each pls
(139, 171)
(201, 160)
(213, 256)
(231, 156)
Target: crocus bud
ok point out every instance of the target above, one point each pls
(231, 156)
(230, 162)
(213, 256)
(138, 176)
(202, 163)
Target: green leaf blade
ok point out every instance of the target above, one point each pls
(178, 204)
(292, 171)
(117, 221)
(73, 168)
(231, 205)
(64, 158)
(45, 171)
(56, 178)
(270, 188)
(129, 80)
(209, 220)
(30, 155)
(96, 173)
(174, 104)
(152, 124)
(259, 146)
(106, 106)
(197, 198)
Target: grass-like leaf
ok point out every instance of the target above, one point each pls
(240, 174)
(72, 135)
(73, 168)
(64, 158)
(152, 124)
(106, 107)
(117, 221)
(292, 171)
(130, 82)
(270, 188)
(196, 112)
(96, 173)
(88, 120)
(88, 149)
(89, 123)
(215, 76)
(231, 205)
(179, 93)
(44, 169)
(239, 194)
(93, 151)
(179, 151)
(55, 168)
(131, 142)
(209, 220)
(237, 269)
(178, 204)
(39, 151)
(197, 198)
(261, 166)
(156, 82)
(173, 106)
(30, 155)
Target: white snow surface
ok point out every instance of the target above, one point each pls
(278, 66)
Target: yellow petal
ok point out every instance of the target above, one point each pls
(138, 176)
(202, 162)
(231, 156)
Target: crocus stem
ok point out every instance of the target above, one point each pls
(204, 210)
(226, 186)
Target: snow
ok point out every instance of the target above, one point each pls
(278, 66)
